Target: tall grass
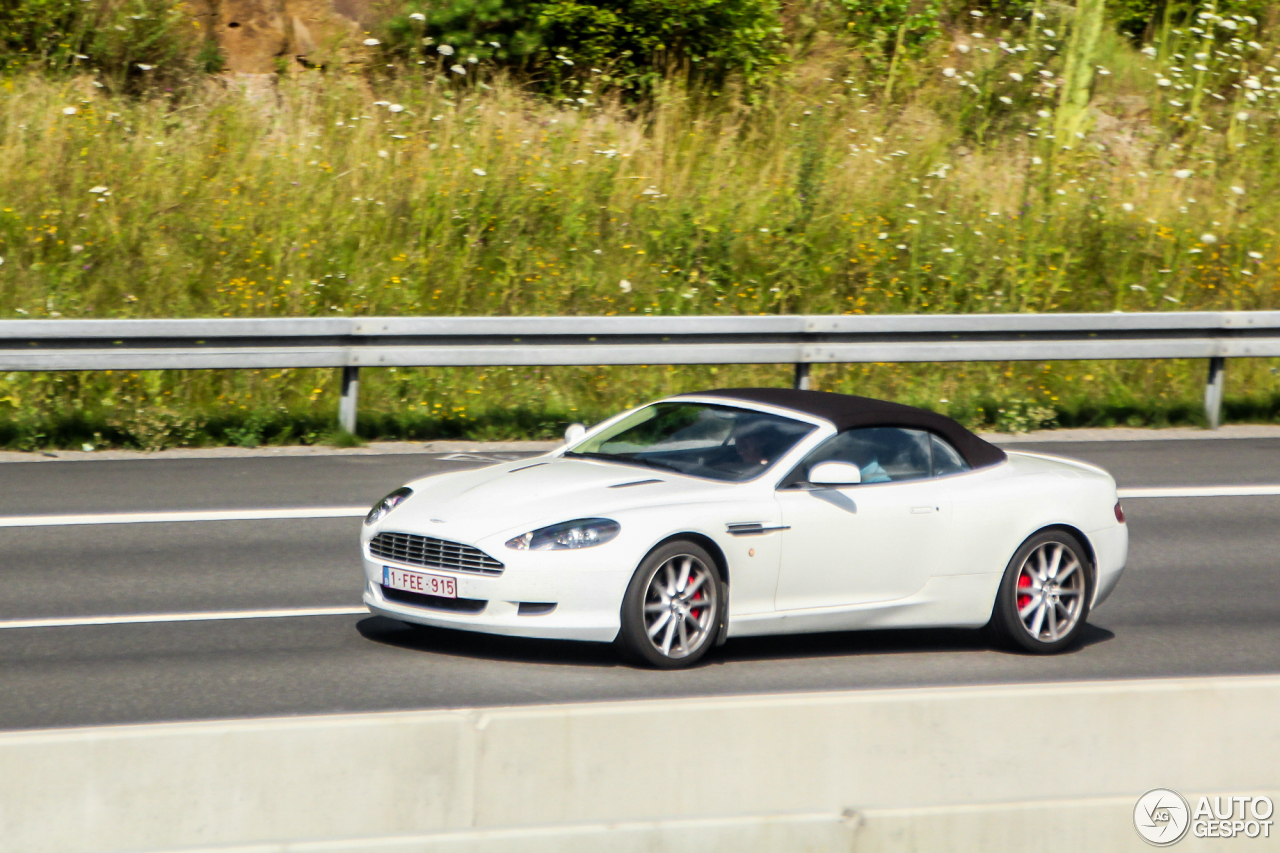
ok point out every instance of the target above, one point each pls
(460, 194)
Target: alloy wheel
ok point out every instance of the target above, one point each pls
(1050, 592)
(680, 606)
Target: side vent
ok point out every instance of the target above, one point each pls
(752, 528)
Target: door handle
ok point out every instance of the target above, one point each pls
(920, 510)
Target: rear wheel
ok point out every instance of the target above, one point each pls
(1044, 597)
(672, 609)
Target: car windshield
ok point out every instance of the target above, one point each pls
(716, 442)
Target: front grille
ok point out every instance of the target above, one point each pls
(436, 553)
(435, 602)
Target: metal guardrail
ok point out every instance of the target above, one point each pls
(352, 343)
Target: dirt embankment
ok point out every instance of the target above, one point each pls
(266, 36)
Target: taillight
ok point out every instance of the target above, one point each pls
(1119, 513)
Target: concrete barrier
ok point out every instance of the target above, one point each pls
(964, 768)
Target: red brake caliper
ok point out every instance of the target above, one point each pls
(1023, 582)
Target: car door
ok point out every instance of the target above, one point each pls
(872, 542)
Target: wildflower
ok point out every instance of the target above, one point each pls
(1227, 24)
(764, 230)
(495, 44)
(977, 13)
(371, 42)
(383, 154)
(1252, 83)
(145, 67)
(624, 286)
(1183, 173)
(1043, 113)
(457, 69)
(1005, 100)
(480, 172)
(1015, 76)
(99, 190)
(1104, 72)
(1137, 287)
(445, 50)
(1127, 207)
(1163, 81)
(1150, 52)
(396, 108)
(472, 60)
(1036, 161)
(883, 235)
(1171, 299)
(1208, 238)
(963, 48)
(1045, 72)
(1050, 33)
(417, 16)
(1257, 256)
(2, 264)
(946, 72)
(69, 111)
(947, 250)
(77, 249)
(901, 246)
(1242, 116)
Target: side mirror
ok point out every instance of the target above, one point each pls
(835, 474)
(573, 432)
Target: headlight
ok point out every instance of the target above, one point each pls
(581, 533)
(390, 502)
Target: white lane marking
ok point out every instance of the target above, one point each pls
(208, 616)
(360, 512)
(192, 515)
(1199, 492)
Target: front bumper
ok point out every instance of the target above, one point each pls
(587, 598)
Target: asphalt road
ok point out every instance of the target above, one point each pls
(1201, 596)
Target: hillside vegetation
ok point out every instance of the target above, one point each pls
(823, 158)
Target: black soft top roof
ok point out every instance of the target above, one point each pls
(847, 411)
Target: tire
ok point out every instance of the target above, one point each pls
(665, 623)
(1044, 597)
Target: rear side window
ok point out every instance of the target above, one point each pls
(946, 460)
(885, 455)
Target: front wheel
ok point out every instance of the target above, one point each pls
(672, 608)
(1044, 597)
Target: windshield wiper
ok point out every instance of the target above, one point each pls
(626, 459)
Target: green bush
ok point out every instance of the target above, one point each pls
(876, 25)
(1141, 19)
(639, 41)
(628, 45)
(136, 44)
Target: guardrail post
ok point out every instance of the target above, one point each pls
(802, 377)
(350, 398)
(1213, 390)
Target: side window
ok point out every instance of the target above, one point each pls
(945, 458)
(884, 454)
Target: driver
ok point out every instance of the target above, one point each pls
(753, 444)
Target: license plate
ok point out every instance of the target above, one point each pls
(438, 585)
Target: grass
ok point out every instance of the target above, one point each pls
(355, 195)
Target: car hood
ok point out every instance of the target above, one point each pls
(530, 493)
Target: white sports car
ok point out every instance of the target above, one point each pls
(674, 526)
